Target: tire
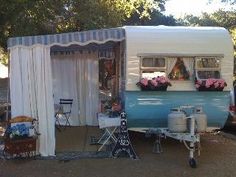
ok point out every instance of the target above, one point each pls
(192, 163)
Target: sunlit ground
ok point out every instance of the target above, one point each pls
(3, 71)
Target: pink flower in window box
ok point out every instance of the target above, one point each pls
(210, 84)
(197, 86)
(154, 82)
(159, 83)
(144, 81)
(222, 83)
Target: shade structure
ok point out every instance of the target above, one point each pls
(66, 39)
(31, 74)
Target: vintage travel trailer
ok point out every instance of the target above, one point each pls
(185, 55)
(131, 65)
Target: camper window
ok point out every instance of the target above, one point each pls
(153, 67)
(208, 74)
(207, 67)
(153, 62)
(208, 63)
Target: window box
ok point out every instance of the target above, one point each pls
(210, 85)
(156, 84)
(203, 88)
(150, 88)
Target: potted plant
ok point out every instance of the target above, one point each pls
(210, 84)
(159, 83)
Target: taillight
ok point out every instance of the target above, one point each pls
(232, 108)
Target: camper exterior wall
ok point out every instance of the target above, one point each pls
(151, 109)
(177, 41)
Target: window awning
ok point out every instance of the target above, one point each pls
(66, 39)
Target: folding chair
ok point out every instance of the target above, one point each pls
(107, 135)
(64, 112)
(110, 126)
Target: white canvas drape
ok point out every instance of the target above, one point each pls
(64, 83)
(170, 64)
(31, 91)
(76, 76)
(87, 72)
(188, 63)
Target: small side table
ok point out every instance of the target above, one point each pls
(110, 125)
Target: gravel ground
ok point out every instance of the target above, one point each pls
(218, 158)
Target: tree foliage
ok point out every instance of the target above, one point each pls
(226, 19)
(33, 17)
(155, 18)
(221, 18)
(38, 17)
(229, 1)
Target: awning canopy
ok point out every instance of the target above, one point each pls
(65, 39)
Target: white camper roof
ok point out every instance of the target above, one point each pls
(172, 40)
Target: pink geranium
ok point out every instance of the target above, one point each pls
(162, 79)
(154, 83)
(222, 83)
(144, 81)
(197, 86)
(211, 84)
(216, 84)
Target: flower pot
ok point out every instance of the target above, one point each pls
(152, 88)
(155, 84)
(213, 84)
(203, 88)
(144, 88)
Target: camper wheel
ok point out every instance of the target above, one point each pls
(192, 163)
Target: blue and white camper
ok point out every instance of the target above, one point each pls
(185, 55)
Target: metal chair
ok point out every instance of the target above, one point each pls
(110, 125)
(64, 111)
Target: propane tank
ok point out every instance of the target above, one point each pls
(200, 119)
(177, 121)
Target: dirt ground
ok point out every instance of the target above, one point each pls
(218, 158)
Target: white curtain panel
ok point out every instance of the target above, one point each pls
(75, 76)
(188, 63)
(31, 91)
(64, 84)
(170, 64)
(88, 87)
